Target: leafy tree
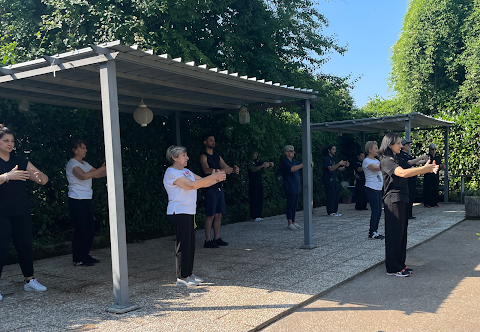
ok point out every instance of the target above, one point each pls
(426, 71)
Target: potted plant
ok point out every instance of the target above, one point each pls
(346, 196)
(472, 204)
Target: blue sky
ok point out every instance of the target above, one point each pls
(370, 28)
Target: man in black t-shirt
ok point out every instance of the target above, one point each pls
(213, 196)
(412, 181)
(330, 167)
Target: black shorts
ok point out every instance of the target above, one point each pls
(214, 201)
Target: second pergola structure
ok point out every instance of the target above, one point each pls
(399, 123)
(113, 78)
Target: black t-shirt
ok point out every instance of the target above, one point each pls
(255, 178)
(406, 158)
(328, 176)
(291, 180)
(213, 161)
(13, 195)
(395, 188)
(359, 175)
(438, 160)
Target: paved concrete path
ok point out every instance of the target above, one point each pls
(443, 293)
(261, 276)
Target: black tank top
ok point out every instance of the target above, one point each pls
(213, 161)
(13, 195)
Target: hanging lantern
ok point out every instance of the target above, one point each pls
(23, 106)
(243, 115)
(143, 115)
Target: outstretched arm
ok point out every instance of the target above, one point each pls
(93, 173)
(36, 175)
(186, 183)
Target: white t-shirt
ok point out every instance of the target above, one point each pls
(179, 200)
(373, 179)
(79, 189)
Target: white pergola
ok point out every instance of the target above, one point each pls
(113, 78)
(399, 123)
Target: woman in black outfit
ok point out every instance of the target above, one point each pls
(15, 216)
(395, 197)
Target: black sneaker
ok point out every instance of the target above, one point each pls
(90, 259)
(408, 269)
(210, 244)
(83, 264)
(220, 242)
(412, 217)
(403, 273)
(376, 236)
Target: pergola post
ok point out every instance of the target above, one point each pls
(116, 206)
(307, 177)
(446, 178)
(177, 127)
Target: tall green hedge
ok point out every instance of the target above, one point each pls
(43, 133)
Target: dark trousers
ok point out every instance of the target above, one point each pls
(183, 225)
(292, 202)
(430, 189)
(19, 229)
(360, 197)
(375, 198)
(412, 189)
(81, 214)
(396, 222)
(331, 193)
(256, 200)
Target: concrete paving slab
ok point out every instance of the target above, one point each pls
(261, 275)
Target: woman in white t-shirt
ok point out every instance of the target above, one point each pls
(80, 193)
(373, 187)
(181, 185)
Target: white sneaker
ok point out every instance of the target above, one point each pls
(186, 283)
(292, 227)
(197, 279)
(1, 298)
(33, 286)
(297, 226)
(337, 214)
(258, 219)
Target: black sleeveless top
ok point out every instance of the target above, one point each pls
(213, 161)
(13, 195)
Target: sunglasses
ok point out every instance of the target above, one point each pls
(291, 151)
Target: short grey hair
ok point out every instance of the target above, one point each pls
(369, 145)
(288, 147)
(432, 146)
(174, 151)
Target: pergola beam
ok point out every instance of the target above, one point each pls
(54, 68)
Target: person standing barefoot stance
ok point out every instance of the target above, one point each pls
(15, 215)
(395, 197)
(181, 185)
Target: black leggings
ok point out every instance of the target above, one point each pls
(81, 214)
(331, 193)
(184, 225)
(19, 228)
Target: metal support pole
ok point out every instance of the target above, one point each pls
(116, 206)
(307, 177)
(462, 189)
(177, 127)
(446, 179)
(408, 131)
